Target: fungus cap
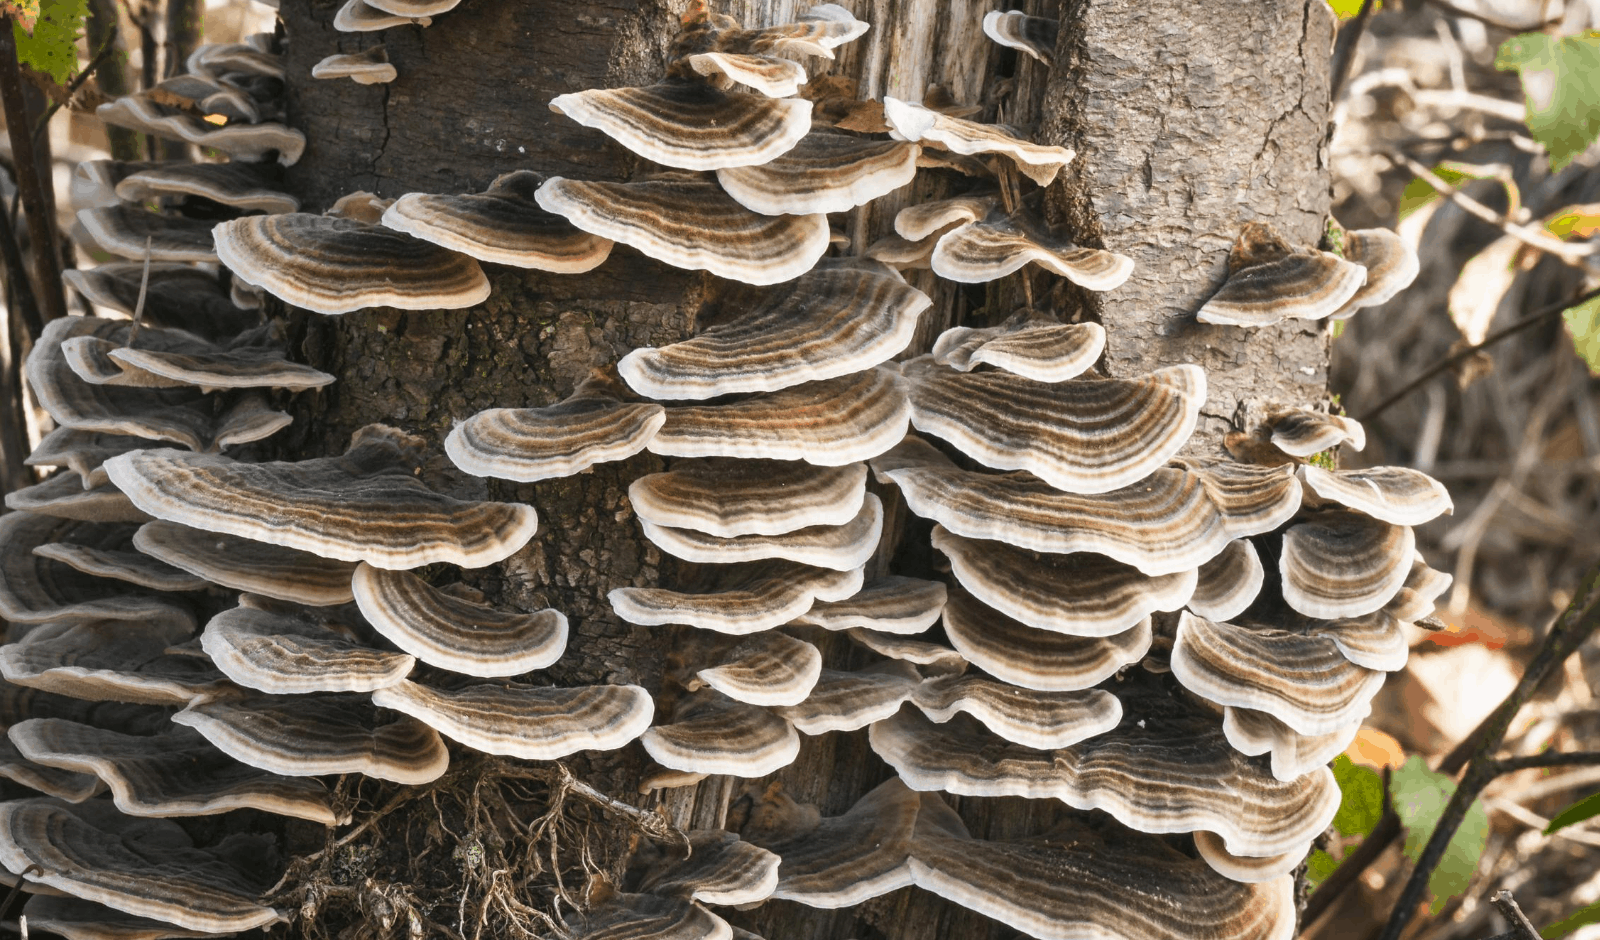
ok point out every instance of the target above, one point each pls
(248, 186)
(133, 232)
(997, 245)
(720, 868)
(503, 225)
(1396, 495)
(841, 548)
(243, 564)
(728, 497)
(843, 860)
(711, 733)
(1293, 754)
(847, 701)
(357, 16)
(893, 604)
(526, 721)
(1228, 583)
(768, 668)
(1024, 716)
(367, 67)
(1014, 29)
(743, 599)
(284, 652)
(826, 171)
(691, 125)
(1040, 350)
(1341, 564)
(1391, 266)
(245, 142)
(1038, 659)
(1038, 162)
(1269, 281)
(1302, 432)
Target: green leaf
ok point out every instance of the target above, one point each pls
(52, 46)
(1319, 866)
(1360, 797)
(1347, 9)
(1586, 808)
(1420, 192)
(1561, 84)
(1419, 796)
(1583, 325)
(1582, 917)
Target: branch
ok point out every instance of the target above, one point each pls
(106, 48)
(1344, 50)
(1507, 765)
(1575, 625)
(1521, 927)
(1569, 252)
(30, 182)
(1450, 8)
(1462, 355)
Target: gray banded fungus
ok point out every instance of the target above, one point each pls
(1166, 523)
(1303, 681)
(841, 548)
(1423, 586)
(174, 773)
(741, 599)
(847, 701)
(456, 634)
(827, 171)
(1341, 564)
(816, 32)
(1038, 162)
(592, 425)
(1038, 659)
(648, 917)
(713, 734)
(248, 186)
(923, 221)
(937, 657)
(1293, 754)
(61, 496)
(1087, 436)
(365, 505)
(1228, 583)
(692, 224)
(357, 16)
(367, 67)
(1253, 498)
(132, 232)
(243, 564)
(245, 142)
(65, 785)
(82, 452)
(728, 498)
(35, 588)
(1391, 267)
(415, 9)
(838, 861)
(1076, 881)
(77, 919)
(148, 868)
(1081, 594)
(1024, 716)
(721, 868)
(769, 75)
(255, 56)
(526, 721)
(118, 564)
(359, 206)
(1268, 281)
(216, 98)
(999, 244)
(333, 265)
(834, 320)
(829, 423)
(169, 358)
(1244, 868)
(1372, 641)
(1014, 29)
(902, 255)
(320, 733)
(109, 660)
(1176, 774)
(1041, 350)
(183, 296)
(691, 125)
(503, 225)
(769, 668)
(893, 604)
(286, 652)
(1302, 432)
(1396, 495)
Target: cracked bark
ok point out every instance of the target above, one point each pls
(1189, 118)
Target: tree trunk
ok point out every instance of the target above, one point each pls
(1189, 117)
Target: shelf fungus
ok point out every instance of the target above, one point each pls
(62, 497)
(925, 220)
(592, 425)
(503, 225)
(1034, 348)
(1303, 681)
(728, 497)
(77, 919)
(1076, 881)
(1301, 432)
(122, 563)
(998, 244)
(357, 16)
(1088, 436)
(1396, 495)
(1422, 587)
(319, 733)
(288, 652)
(1343, 564)
(769, 668)
(454, 633)
(248, 142)
(332, 265)
(740, 599)
(829, 423)
(148, 868)
(243, 564)
(1014, 29)
(526, 721)
(366, 505)
(713, 734)
(1229, 583)
(109, 660)
(250, 187)
(840, 548)
(367, 67)
(65, 785)
(35, 588)
(893, 604)
(1293, 754)
(691, 125)
(910, 121)
(1082, 594)
(1391, 267)
(1372, 641)
(1269, 281)
(82, 452)
(181, 296)
(692, 223)
(173, 773)
(133, 232)
(720, 868)
(1244, 868)
(816, 32)
(837, 319)
(1023, 716)
(1038, 659)
(827, 171)
(1175, 774)
(847, 701)
(156, 357)
(647, 917)
(768, 75)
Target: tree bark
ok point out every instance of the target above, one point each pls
(1189, 117)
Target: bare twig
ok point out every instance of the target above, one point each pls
(1462, 355)
(1571, 252)
(1344, 50)
(1453, 10)
(31, 182)
(1506, 765)
(100, 57)
(1575, 625)
(1521, 927)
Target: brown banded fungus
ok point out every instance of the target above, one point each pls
(357, 16)
(132, 232)
(1038, 349)
(82, 452)
(1014, 29)
(526, 721)
(727, 497)
(847, 701)
(182, 296)
(248, 142)
(77, 919)
(1038, 659)
(827, 171)
(1301, 432)
(742, 599)
(1228, 583)
(841, 548)
(769, 75)
(62, 497)
(252, 187)
(1244, 868)
(893, 604)
(1342, 564)
(999, 244)
(1024, 716)
(768, 668)
(1391, 267)
(287, 652)
(648, 917)
(1038, 162)
(1396, 495)
(713, 734)
(121, 564)
(691, 125)
(243, 564)
(1269, 280)
(1293, 754)
(35, 588)
(367, 67)
(110, 660)
(721, 868)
